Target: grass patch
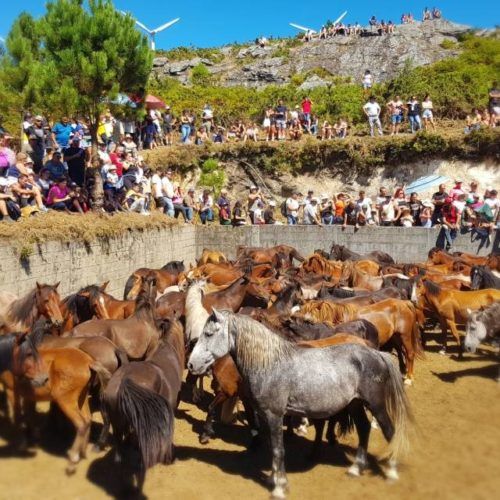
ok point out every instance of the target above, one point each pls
(66, 228)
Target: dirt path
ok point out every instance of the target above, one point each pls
(456, 404)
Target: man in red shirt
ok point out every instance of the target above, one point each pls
(306, 111)
(451, 222)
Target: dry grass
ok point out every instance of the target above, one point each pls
(67, 228)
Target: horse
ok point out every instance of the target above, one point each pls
(167, 276)
(483, 277)
(62, 375)
(480, 325)
(22, 313)
(211, 257)
(340, 252)
(395, 320)
(104, 305)
(284, 378)
(138, 335)
(260, 255)
(450, 306)
(140, 400)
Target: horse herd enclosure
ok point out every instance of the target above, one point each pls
(454, 450)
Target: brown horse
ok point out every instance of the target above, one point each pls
(62, 375)
(450, 306)
(218, 274)
(167, 276)
(138, 335)
(140, 401)
(21, 314)
(211, 257)
(104, 305)
(266, 255)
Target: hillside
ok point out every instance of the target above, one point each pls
(346, 56)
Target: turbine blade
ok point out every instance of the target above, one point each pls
(303, 28)
(340, 18)
(143, 27)
(165, 26)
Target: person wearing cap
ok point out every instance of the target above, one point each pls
(37, 141)
(74, 157)
(326, 210)
(205, 207)
(457, 190)
(311, 213)
(253, 198)
(224, 213)
(223, 199)
(111, 179)
(207, 118)
(269, 213)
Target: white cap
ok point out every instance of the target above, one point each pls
(272, 203)
(324, 196)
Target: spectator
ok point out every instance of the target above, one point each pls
(416, 207)
(473, 191)
(340, 204)
(56, 167)
(180, 207)
(388, 209)
(258, 212)
(428, 113)
(372, 111)
(367, 82)
(189, 203)
(206, 207)
(58, 197)
(413, 107)
(207, 118)
(350, 214)
(201, 136)
(224, 213)
(185, 127)
(364, 204)
(426, 214)
(61, 133)
(253, 197)
(135, 200)
(27, 194)
(116, 156)
(281, 116)
(167, 190)
(457, 190)
(223, 199)
(168, 125)
(406, 219)
(74, 157)
(239, 218)
(44, 182)
(7, 155)
(311, 213)
(292, 209)
(438, 199)
(111, 178)
(326, 210)
(9, 209)
(306, 112)
(395, 108)
(129, 146)
(269, 217)
(450, 222)
(37, 138)
(269, 124)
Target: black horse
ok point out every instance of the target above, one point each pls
(340, 252)
(482, 277)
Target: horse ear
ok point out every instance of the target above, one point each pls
(103, 286)
(38, 285)
(217, 316)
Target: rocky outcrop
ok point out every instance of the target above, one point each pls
(384, 56)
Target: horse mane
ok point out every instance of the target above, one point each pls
(176, 266)
(490, 314)
(39, 331)
(196, 315)
(321, 311)
(488, 278)
(431, 287)
(145, 306)
(257, 347)
(7, 343)
(24, 310)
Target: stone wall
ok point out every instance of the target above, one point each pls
(76, 265)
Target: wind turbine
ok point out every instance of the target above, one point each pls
(309, 30)
(152, 33)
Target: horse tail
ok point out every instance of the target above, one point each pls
(345, 421)
(103, 375)
(128, 286)
(416, 340)
(151, 418)
(398, 408)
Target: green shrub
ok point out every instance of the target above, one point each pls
(448, 44)
(212, 176)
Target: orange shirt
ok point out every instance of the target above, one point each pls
(339, 208)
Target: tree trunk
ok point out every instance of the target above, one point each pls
(97, 191)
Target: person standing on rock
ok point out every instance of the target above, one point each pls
(413, 107)
(395, 108)
(281, 115)
(306, 111)
(372, 111)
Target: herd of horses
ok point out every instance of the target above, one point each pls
(293, 338)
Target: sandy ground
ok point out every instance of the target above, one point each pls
(455, 455)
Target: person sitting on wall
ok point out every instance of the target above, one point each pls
(205, 207)
(239, 217)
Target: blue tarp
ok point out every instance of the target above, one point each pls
(426, 183)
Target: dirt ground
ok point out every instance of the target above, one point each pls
(455, 455)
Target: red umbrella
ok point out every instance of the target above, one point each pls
(152, 102)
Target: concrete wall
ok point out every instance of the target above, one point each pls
(77, 265)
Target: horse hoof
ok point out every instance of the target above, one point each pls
(408, 381)
(442, 352)
(70, 469)
(391, 475)
(278, 492)
(354, 471)
(204, 439)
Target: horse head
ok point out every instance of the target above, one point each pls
(475, 331)
(476, 275)
(26, 361)
(96, 300)
(47, 301)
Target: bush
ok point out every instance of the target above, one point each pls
(212, 176)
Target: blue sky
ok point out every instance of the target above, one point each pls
(206, 23)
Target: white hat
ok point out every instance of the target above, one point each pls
(427, 203)
(272, 203)
(314, 199)
(324, 196)
(253, 187)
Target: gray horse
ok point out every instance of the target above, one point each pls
(284, 378)
(482, 324)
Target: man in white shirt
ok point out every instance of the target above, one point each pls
(372, 111)
(167, 191)
(311, 215)
(292, 209)
(364, 203)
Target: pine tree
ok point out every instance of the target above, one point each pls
(74, 59)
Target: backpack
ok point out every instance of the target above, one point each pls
(283, 209)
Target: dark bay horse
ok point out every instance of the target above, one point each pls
(283, 378)
(140, 400)
(136, 335)
(340, 252)
(104, 305)
(482, 277)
